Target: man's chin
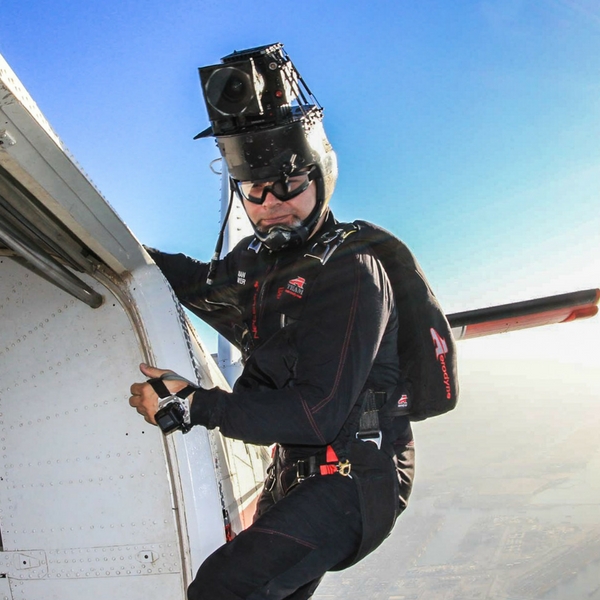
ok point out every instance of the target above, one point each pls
(287, 225)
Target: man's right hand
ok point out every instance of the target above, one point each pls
(143, 397)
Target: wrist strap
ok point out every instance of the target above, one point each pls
(162, 390)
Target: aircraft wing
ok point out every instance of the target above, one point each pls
(522, 315)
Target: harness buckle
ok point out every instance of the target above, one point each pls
(369, 429)
(301, 471)
(344, 467)
(305, 468)
(374, 437)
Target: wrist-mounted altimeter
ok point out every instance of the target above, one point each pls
(173, 409)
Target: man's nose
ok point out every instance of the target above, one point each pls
(270, 200)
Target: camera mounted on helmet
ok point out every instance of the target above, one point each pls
(268, 127)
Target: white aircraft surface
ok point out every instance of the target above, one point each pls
(94, 502)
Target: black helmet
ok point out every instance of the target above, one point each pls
(269, 126)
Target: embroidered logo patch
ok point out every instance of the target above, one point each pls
(403, 401)
(295, 287)
(241, 278)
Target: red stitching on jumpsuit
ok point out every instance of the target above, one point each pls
(346, 344)
(291, 537)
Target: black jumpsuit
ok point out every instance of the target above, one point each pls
(315, 337)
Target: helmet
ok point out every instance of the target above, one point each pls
(278, 152)
(263, 136)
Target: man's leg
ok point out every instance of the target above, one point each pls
(286, 551)
(306, 591)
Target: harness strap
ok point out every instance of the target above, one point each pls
(329, 242)
(330, 455)
(331, 458)
(369, 429)
(314, 465)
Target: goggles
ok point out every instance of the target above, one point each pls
(283, 189)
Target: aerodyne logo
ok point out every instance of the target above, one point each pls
(439, 342)
(441, 349)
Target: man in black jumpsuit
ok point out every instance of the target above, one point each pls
(314, 313)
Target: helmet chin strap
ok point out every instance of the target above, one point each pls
(280, 237)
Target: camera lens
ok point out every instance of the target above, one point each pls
(234, 89)
(229, 90)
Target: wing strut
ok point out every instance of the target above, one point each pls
(522, 315)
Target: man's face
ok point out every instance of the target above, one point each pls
(290, 213)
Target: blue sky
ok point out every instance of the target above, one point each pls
(469, 129)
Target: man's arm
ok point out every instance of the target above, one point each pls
(186, 275)
(217, 304)
(328, 356)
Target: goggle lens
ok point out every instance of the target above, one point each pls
(282, 189)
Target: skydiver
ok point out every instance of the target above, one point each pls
(326, 378)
